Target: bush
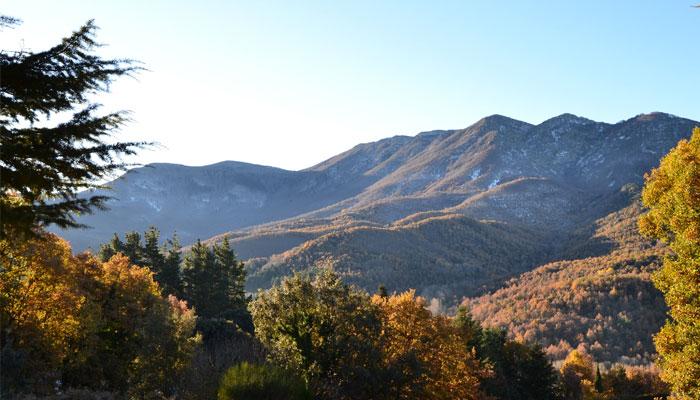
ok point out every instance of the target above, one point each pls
(261, 382)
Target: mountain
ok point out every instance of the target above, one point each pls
(604, 302)
(384, 181)
(522, 222)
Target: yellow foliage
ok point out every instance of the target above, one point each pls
(672, 194)
(450, 370)
(72, 314)
(38, 301)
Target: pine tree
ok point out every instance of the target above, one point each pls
(108, 250)
(151, 255)
(198, 279)
(170, 279)
(44, 164)
(598, 384)
(234, 275)
(132, 248)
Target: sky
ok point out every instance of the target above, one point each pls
(292, 83)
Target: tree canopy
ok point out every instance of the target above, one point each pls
(47, 158)
(672, 194)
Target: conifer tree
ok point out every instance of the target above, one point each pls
(133, 248)
(233, 275)
(45, 163)
(198, 279)
(169, 278)
(107, 250)
(598, 384)
(151, 254)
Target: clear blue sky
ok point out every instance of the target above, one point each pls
(290, 83)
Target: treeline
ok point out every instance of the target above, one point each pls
(74, 326)
(210, 279)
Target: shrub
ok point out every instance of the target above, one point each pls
(261, 382)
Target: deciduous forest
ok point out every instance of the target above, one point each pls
(144, 317)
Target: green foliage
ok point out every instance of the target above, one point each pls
(212, 279)
(520, 371)
(324, 330)
(261, 382)
(598, 383)
(201, 379)
(672, 194)
(164, 261)
(169, 275)
(44, 166)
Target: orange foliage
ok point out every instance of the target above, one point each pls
(450, 371)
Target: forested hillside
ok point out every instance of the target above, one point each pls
(606, 304)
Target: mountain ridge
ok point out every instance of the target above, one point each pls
(482, 215)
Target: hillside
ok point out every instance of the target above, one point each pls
(605, 303)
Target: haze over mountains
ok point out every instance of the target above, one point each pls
(455, 214)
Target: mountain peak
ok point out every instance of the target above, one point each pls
(567, 119)
(653, 116)
(500, 122)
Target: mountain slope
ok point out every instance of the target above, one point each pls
(606, 303)
(396, 177)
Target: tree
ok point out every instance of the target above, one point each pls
(138, 342)
(169, 278)
(163, 261)
(520, 370)
(324, 330)
(428, 350)
(577, 375)
(44, 165)
(672, 195)
(41, 309)
(198, 279)
(231, 276)
(133, 248)
(87, 323)
(261, 382)
(151, 255)
(598, 384)
(107, 250)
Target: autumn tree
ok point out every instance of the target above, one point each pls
(46, 163)
(324, 330)
(41, 310)
(428, 349)
(672, 195)
(577, 375)
(87, 323)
